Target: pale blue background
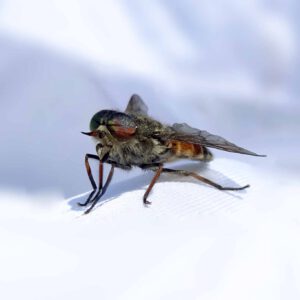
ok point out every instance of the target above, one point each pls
(230, 67)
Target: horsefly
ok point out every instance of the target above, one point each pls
(132, 138)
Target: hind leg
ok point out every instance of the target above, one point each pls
(203, 179)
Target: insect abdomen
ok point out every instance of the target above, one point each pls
(191, 151)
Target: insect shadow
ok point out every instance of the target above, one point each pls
(141, 182)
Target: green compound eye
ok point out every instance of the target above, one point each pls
(119, 124)
(100, 118)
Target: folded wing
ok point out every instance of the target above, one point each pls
(183, 132)
(136, 106)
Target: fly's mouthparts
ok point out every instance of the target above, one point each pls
(87, 133)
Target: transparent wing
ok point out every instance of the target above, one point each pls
(136, 106)
(183, 132)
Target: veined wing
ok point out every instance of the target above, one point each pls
(183, 132)
(136, 106)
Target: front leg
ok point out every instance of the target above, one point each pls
(101, 192)
(89, 172)
(103, 153)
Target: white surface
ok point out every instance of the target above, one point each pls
(194, 242)
(229, 67)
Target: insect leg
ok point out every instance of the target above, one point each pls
(89, 172)
(153, 181)
(94, 196)
(205, 180)
(101, 192)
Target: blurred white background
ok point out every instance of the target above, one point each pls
(230, 67)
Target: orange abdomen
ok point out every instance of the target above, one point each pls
(188, 150)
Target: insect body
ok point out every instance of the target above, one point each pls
(129, 139)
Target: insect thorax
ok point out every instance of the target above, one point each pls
(136, 153)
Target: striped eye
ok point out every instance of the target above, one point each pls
(120, 130)
(120, 125)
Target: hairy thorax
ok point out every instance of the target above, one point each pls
(139, 153)
(133, 152)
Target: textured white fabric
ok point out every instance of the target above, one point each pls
(193, 242)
